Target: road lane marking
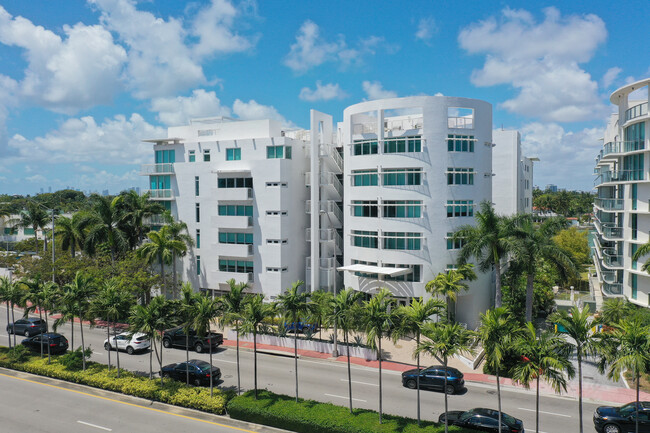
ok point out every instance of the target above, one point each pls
(223, 360)
(131, 404)
(548, 413)
(347, 398)
(360, 383)
(93, 425)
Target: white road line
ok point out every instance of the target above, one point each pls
(93, 425)
(360, 383)
(347, 398)
(547, 413)
(223, 360)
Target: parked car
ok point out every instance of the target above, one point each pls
(483, 420)
(55, 343)
(611, 419)
(200, 372)
(127, 341)
(175, 337)
(27, 327)
(434, 378)
(302, 327)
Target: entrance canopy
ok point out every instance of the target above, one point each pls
(382, 271)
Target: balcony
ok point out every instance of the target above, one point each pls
(329, 277)
(232, 194)
(237, 276)
(620, 176)
(615, 289)
(231, 221)
(609, 203)
(609, 277)
(154, 220)
(612, 259)
(327, 180)
(151, 169)
(636, 111)
(237, 250)
(331, 209)
(619, 147)
(160, 194)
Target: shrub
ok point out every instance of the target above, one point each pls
(19, 354)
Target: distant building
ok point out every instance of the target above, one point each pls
(512, 184)
(551, 187)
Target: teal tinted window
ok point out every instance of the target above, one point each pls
(191, 156)
(365, 178)
(235, 182)
(633, 248)
(460, 176)
(235, 210)
(196, 185)
(365, 208)
(364, 239)
(365, 147)
(634, 195)
(634, 222)
(198, 265)
(278, 152)
(634, 283)
(233, 154)
(236, 238)
(460, 143)
(165, 156)
(402, 241)
(402, 208)
(160, 182)
(198, 238)
(402, 176)
(403, 144)
(28, 231)
(235, 266)
(460, 208)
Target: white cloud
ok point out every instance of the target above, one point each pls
(611, 75)
(178, 110)
(78, 71)
(375, 90)
(322, 92)
(541, 60)
(426, 29)
(213, 25)
(252, 110)
(37, 178)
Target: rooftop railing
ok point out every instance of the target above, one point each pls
(636, 111)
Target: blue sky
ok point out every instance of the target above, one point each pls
(83, 82)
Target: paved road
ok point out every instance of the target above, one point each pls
(325, 380)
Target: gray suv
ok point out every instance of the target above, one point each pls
(27, 327)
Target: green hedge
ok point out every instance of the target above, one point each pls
(308, 416)
(98, 376)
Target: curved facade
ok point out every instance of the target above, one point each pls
(621, 207)
(415, 170)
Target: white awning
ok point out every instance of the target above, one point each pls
(163, 140)
(380, 270)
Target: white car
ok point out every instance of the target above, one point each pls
(129, 342)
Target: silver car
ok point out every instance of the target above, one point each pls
(128, 342)
(27, 327)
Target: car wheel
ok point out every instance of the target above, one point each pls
(166, 375)
(197, 382)
(130, 350)
(167, 343)
(107, 346)
(450, 389)
(411, 384)
(26, 334)
(198, 347)
(611, 428)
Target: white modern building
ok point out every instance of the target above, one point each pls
(621, 212)
(512, 185)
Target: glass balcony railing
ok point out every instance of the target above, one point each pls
(149, 169)
(621, 176)
(622, 147)
(615, 289)
(609, 277)
(159, 194)
(609, 203)
(636, 111)
(612, 258)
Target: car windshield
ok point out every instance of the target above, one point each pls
(204, 366)
(627, 409)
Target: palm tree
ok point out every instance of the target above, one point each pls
(188, 299)
(450, 284)
(533, 242)
(233, 309)
(295, 306)
(255, 311)
(342, 309)
(321, 301)
(5, 296)
(496, 333)
(205, 310)
(643, 250)
(488, 242)
(33, 217)
(626, 348)
(160, 248)
(615, 310)
(411, 318)
(151, 320)
(72, 231)
(443, 341)
(104, 227)
(51, 297)
(377, 320)
(15, 294)
(177, 232)
(136, 208)
(545, 355)
(33, 295)
(80, 292)
(67, 310)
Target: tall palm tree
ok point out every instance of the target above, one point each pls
(411, 318)
(533, 242)
(51, 298)
(233, 309)
(67, 310)
(33, 217)
(545, 355)
(255, 311)
(177, 232)
(33, 295)
(445, 340)
(80, 292)
(16, 295)
(627, 348)
(488, 242)
(295, 306)
(5, 296)
(342, 310)
(152, 319)
(160, 248)
(71, 231)
(377, 320)
(105, 228)
(451, 283)
(321, 301)
(205, 310)
(497, 333)
(135, 209)
(188, 299)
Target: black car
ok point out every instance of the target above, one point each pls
(27, 327)
(434, 377)
(483, 420)
(200, 372)
(51, 341)
(175, 337)
(609, 419)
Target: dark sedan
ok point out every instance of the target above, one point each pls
(27, 327)
(434, 377)
(200, 372)
(483, 420)
(51, 341)
(610, 419)
(176, 337)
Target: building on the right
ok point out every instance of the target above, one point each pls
(621, 206)
(512, 184)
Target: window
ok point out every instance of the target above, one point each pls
(364, 274)
(235, 210)
(634, 222)
(364, 239)
(233, 154)
(10, 231)
(236, 238)
(460, 117)
(276, 212)
(198, 213)
(206, 155)
(198, 238)
(278, 152)
(235, 266)
(634, 195)
(402, 208)
(28, 231)
(365, 208)
(365, 147)
(196, 185)
(633, 248)
(403, 144)
(191, 156)
(402, 176)
(402, 241)
(159, 182)
(365, 177)
(165, 156)
(460, 208)
(460, 176)
(454, 244)
(276, 184)
(633, 283)
(277, 269)
(460, 143)
(413, 276)
(198, 265)
(235, 182)
(277, 241)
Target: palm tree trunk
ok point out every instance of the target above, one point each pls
(160, 362)
(347, 349)
(295, 356)
(580, 385)
(499, 396)
(446, 395)
(238, 376)
(529, 296)
(108, 338)
(162, 273)
(13, 320)
(36, 241)
(174, 271)
(8, 334)
(72, 251)
(211, 385)
(83, 346)
(72, 333)
(255, 362)
(636, 413)
(187, 357)
(537, 407)
(417, 378)
(117, 350)
(379, 356)
(497, 283)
